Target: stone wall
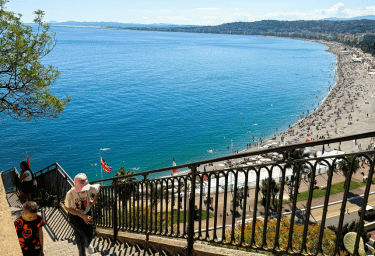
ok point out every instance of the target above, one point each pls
(9, 244)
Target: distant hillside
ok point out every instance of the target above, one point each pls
(368, 17)
(111, 24)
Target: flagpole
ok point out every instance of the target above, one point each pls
(101, 167)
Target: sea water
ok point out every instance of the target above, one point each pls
(140, 99)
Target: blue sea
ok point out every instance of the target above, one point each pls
(140, 99)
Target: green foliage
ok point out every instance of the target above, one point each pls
(335, 188)
(123, 172)
(274, 190)
(349, 243)
(45, 199)
(350, 227)
(351, 164)
(313, 231)
(126, 186)
(25, 82)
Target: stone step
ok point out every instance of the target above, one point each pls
(102, 247)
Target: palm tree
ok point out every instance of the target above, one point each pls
(350, 165)
(123, 172)
(275, 189)
(296, 155)
(129, 186)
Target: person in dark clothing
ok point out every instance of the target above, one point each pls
(27, 182)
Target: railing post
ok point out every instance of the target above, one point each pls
(190, 241)
(57, 185)
(114, 212)
(146, 206)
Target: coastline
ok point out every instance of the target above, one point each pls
(346, 110)
(347, 107)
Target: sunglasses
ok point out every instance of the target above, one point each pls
(83, 182)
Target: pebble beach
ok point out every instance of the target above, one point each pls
(347, 109)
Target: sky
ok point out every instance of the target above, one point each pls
(189, 12)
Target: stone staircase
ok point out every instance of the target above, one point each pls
(102, 247)
(59, 235)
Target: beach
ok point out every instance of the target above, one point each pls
(346, 110)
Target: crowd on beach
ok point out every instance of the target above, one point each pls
(347, 109)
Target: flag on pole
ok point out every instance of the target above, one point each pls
(174, 164)
(28, 160)
(105, 166)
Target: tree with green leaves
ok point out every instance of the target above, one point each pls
(349, 227)
(126, 185)
(24, 81)
(274, 191)
(349, 165)
(296, 154)
(123, 172)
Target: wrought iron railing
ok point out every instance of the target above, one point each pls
(52, 182)
(10, 180)
(223, 207)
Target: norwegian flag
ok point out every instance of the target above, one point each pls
(105, 166)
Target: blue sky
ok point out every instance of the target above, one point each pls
(190, 12)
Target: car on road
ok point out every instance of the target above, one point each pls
(370, 211)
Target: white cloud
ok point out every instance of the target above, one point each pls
(220, 16)
(335, 11)
(338, 10)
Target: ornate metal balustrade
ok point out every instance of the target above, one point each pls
(52, 182)
(236, 205)
(10, 180)
(224, 207)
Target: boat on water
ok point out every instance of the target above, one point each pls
(105, 149)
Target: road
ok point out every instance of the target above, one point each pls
(333, 213)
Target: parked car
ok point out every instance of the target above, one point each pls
(370, 211)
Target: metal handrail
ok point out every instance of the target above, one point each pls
(287, 148)
(148, 206)
(128, 206)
